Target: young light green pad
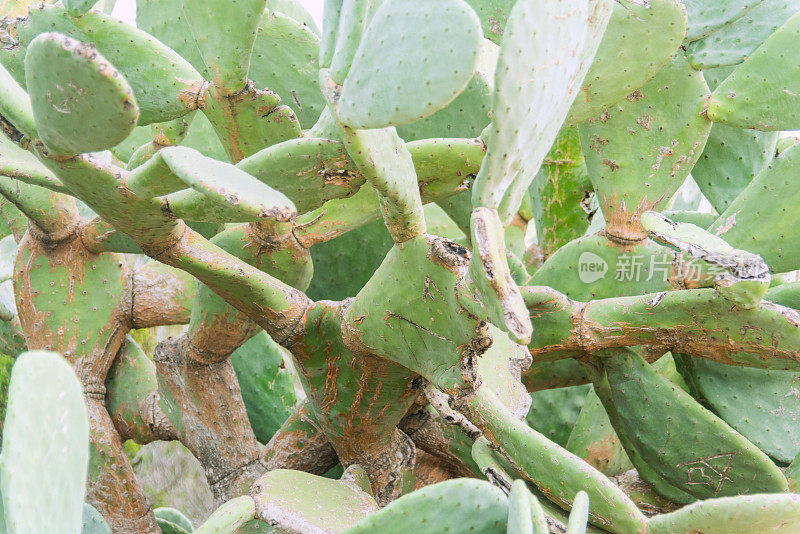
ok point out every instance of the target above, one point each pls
(421, 71)
(81, 103)
(46, 425)
(763, 92)
(546, 51)
(745, 514)
(452, 506)
(639, 40)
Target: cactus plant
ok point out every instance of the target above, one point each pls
(345, 212)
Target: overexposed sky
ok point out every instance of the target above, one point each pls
(126, 10)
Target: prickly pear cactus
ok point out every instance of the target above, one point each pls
(464, 265)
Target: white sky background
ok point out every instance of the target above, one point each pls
(126, 10)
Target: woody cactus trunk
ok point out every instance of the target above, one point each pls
(523, 258)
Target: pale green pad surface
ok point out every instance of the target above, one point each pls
(639, 41)
(547, 49)
(45, 446)
(732, 43)
(80, 101)
(764, 91)
(452, 506)
(420, 71)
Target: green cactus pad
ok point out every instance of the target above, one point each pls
(761, 92)
(734, 42)
(591, 267)
(331, 13)
(593, 439)
(164, 84)
(342, 266)
(171, 521)
(707, 17)
(732, 156)
(551, 37)
(15, 104)
(466, 116)
(309, 171)
(489, 271)
(288, 499)
(236, 191)
(267, 388)
(494, 16)
(235, 515)
(78, 7)
(525, 514)
(640, 150)
(294, 9)
(224, 32)
(579, 516)
(639, 40)
(761, 219)
(80, 101)
(408, 90)
(762, 405)
(557, 473)
(498, 371)
(138, 137)
(449, 506)
(285, 61)
(745, 514)
(46, 425)
(93, 522)
(554, 412)
(164, 20)
(686, 444)
(731, 159)
(384, 159)
(350, 18)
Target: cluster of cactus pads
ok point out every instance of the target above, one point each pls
(343, 220)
